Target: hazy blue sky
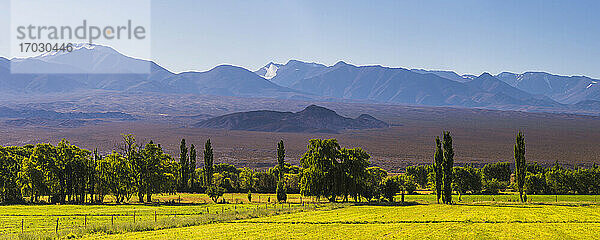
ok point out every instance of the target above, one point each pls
(560, 37)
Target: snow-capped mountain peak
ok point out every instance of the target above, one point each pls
(270, 71)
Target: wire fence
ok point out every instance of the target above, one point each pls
(61, 224)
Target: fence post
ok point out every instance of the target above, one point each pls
(154, 216)
(22, 226)
(112, 220)
(133, 216)
(85, 221)
(56, 230)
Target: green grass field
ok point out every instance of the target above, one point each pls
(502, 221)
(476, 217)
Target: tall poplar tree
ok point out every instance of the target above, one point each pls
(438, 158)
(192, 170)
(184, 166)
(208, 163)
(447, 167)
(520, 164)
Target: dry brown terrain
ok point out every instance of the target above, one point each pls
(480, 136)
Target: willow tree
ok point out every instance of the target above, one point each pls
(318, 163)
(331, 171)
(520, 165)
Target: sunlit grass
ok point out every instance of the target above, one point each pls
(180, 212)
(499, 221)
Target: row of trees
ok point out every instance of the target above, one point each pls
(68, 173)
(494, 177)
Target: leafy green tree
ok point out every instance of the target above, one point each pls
(159, 171)
(389, 188)
(419, 173)
(595, 185)
(319, 164)
(137, 164)
(265, 182)
(353, 171)
(92, 178)
(56, 171)
(582, 180)
(330, 171)
(492, 186)
(77, 171)
(535, 168)
(499, 171)
(208, 163)
(10, 166)
(215, 192)
(520, 165)
(447, 168)
(247, 179)
(557, 179)
(116, 176)
(466, 179)
(438, 161)
(371, 188)
(536, 184)
(292, 183)
(33, 177)
(406, 183)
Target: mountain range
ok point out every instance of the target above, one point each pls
(312, 119)
(535, 91)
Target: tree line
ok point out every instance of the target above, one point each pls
(527, 178)
(67, 173)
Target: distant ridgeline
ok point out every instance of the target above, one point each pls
(67, 173)
(312, 119)
(529, 91)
